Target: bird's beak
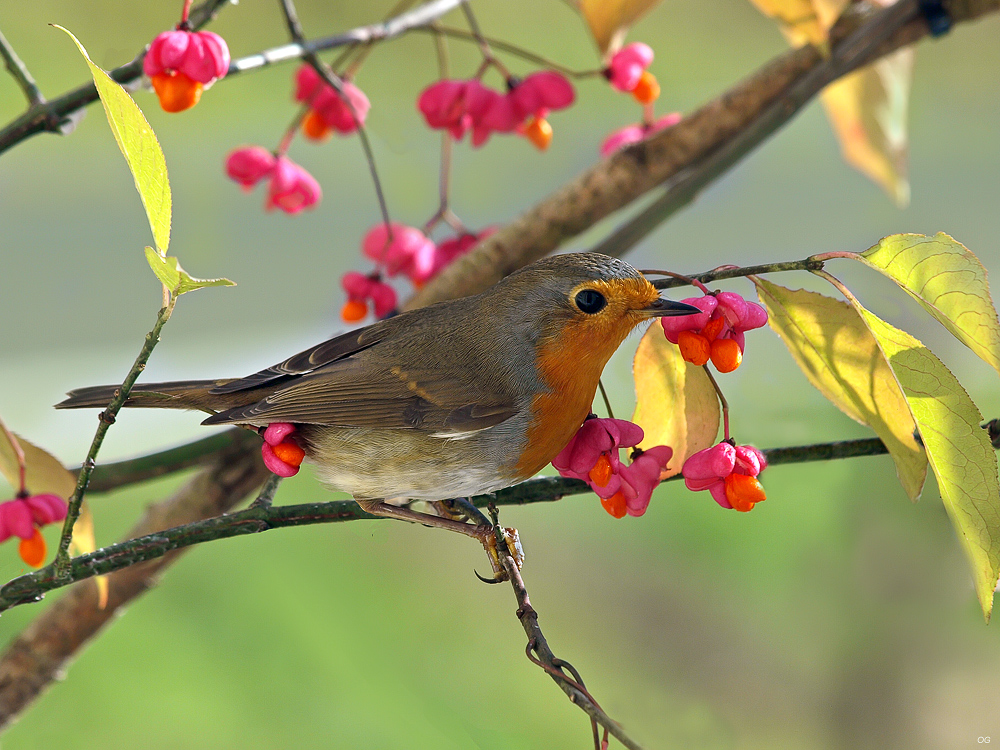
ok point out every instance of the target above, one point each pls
(662, 308)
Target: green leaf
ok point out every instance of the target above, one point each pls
(141, 149)
(839, 355)
(675, 403)
(958, 449)
(168, 270)
(43, 471)
(950, 283)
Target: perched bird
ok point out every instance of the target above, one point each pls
(452, 400)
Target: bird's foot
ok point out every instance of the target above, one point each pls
(460, 509)
(511, 542)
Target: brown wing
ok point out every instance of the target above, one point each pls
(315, 357)
(352, 393)
(385, 375)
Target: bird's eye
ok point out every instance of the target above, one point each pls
(590, 301)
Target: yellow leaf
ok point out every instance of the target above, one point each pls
(948, 281)
(83, 542)
(44, 473)
(138, 144)
(840, 357)
(868, 111)
(799, 19)
(958, 449)
(676, 404)
(609, 20)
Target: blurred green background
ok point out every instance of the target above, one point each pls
(835, 615)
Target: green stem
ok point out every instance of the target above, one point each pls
(20, 73)
(60, 566)
(107, 477)
(260, 517)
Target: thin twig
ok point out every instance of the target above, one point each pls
(30, 587)
(571, 685)
(59, 566)
(513, 49)
(326, 73)
(20, 73)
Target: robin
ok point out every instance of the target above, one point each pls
(456, 399)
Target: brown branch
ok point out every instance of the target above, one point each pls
(571, 683)
(615, 182)
(42, 651)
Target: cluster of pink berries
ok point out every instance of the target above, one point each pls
(463, 106)
(593, 456)
(399, 250)
(717, 334)
(627, 71)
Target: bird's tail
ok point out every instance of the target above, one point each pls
(182, 394)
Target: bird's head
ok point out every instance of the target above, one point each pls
(587, 302)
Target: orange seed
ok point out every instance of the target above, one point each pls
(539, 132)
(694, 347)
(32, 550)
(353, 311)
(647, 90)
(314, 127)
(615, 505)
(743, 492)
(726, 355)
(176, 91)
(289, 452)
(601, 473)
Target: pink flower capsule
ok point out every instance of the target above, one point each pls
(458, 106)
(453, 247)
(713, 469)
(634, 133)
(202, 56)
(540, 93)
(22, 515)
(596, 437)
(409, 251)
(281, 454)
(642, 476)
(628, 65)
(336, 113)
(360, 289)
(718, 333)
(248, 165)
(292, 188)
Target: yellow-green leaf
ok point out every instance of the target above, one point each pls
(868, 111)
(141, 149)
(168, 270)
(958, 448)
(609, 20)
(675, 403)
(950, 283)
(838, 354)
(799, 19)
(43, 471)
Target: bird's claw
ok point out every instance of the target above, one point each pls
(512, 542)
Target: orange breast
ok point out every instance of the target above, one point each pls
(570, 365)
